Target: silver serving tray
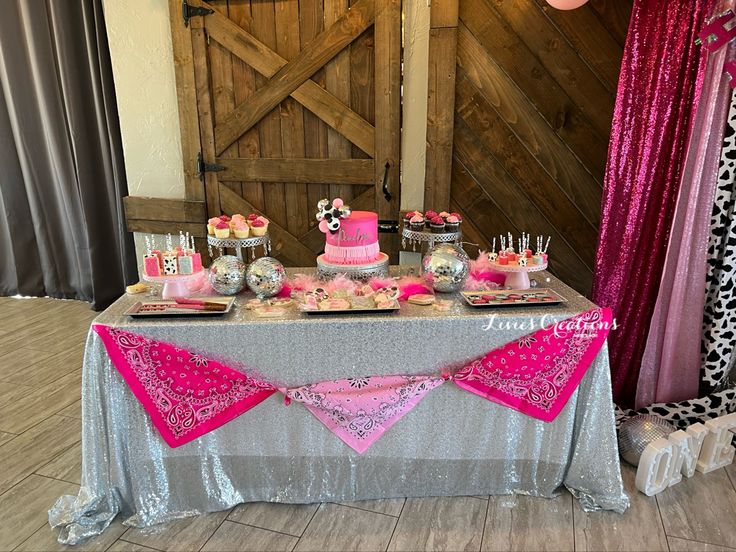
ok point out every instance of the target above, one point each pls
(526, 294)
(375, 310)
(135, 312)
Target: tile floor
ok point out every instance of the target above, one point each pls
(41, 345)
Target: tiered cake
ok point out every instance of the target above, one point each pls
(351, 241)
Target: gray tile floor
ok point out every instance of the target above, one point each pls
(41, 343)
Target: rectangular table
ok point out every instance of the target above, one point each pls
(451, 443)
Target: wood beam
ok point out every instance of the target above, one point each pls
(311, 95)
(318, 52)
(320, 171)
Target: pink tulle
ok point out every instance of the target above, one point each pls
(411, 285)
(285, 291)
(304, 282)
(340, 282)
(481, 271)
(381, 282)
(480, 284)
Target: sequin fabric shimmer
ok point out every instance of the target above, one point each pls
(658, 92)
(451, 443)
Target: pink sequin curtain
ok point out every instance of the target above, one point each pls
(670, 367)
(658, 91)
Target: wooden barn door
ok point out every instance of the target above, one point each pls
(297, 100)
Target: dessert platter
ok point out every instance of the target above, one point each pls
(351, 242)
(512, 298)
(430, 228)
(518, 265)
(360, 300)
(181, 306)
(174, 267)
(238, 233)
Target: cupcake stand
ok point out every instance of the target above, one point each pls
(174, 285)
(517, 277)
(414, 237)
(239, 244)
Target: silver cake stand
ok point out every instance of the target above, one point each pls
(413, 238)
(378, 268)
(239, 244)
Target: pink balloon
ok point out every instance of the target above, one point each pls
(566, 4)
(323, 226)
(337, 203)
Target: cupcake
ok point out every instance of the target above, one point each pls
(416, 223)
(211, 225)
(222, 230)
(259, 227)
(241, 229)
(452, 223)
(443, 215)
(437, 225)
(251, 218)
(238, 218)
(407, 219)
(428, 216)
(224, 218)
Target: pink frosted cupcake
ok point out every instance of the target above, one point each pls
(222, 230)
(211, 225)
(416, 223)
(443, 215)
(241, 229)
(452, 223)
(437, 225)
(259, 226)
(428, 216)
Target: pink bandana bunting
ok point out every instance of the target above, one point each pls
(360, 410)
(186, 394)
(537, 373)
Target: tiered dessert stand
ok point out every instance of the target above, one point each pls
(517, 277)
(413, 238)
(239, 244)
(175, 285)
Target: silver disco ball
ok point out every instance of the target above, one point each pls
(636, 433)
(446, 267)
(227, 275)
(265, 277)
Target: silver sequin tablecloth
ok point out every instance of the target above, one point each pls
(451, 443)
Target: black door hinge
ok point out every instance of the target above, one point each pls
(203, 167)
(187, 12)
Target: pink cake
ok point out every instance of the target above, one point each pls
(355, 242)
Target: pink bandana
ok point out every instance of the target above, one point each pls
(537, 374)
(360, 410)
(186, 395)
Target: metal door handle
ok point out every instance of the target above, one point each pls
(386, 192)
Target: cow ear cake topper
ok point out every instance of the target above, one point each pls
(329, 214)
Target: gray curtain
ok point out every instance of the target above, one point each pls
(62, 178)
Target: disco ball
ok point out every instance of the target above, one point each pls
(227, 275)
(446, 267)
(265, 277)
(636, 433)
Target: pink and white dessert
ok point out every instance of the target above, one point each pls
(351, 237)
(355, 241)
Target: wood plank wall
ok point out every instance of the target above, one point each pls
(534, 95)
